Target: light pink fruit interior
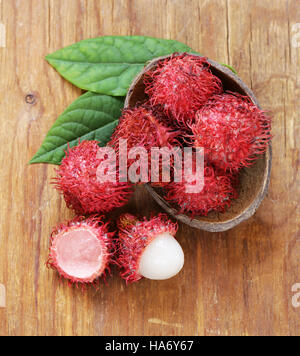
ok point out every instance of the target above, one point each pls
(79, 254)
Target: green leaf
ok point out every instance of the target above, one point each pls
(107, 65)
(229, 67)
(90, 117)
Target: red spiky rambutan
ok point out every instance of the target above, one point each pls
(232, 130)
(143, 127)
(218, 191)
(147, 248)
(181, 84)
(77, 180)
(81, 250)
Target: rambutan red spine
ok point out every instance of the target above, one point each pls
(78, 182)
(94, 224)
(180, 85)
(144, 127)
(218, 192)
(233, 131)
(134, 236)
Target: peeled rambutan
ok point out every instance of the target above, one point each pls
(232, 130)
(81, 250)
(147, 248)
(218, 191)
(77, 180)
(181, 84)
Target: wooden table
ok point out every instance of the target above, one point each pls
(234, 283)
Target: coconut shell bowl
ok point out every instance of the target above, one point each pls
(254, 180)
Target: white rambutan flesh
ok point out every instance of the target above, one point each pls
(147, 248)
(162, 259)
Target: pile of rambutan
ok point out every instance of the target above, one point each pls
(185, 106)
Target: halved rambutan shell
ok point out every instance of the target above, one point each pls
(181, 85)
(217, 194)
(81, 250)
(233, 131)
(147, 248)
(78, 182)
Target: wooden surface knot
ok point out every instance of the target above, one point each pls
(30, 99)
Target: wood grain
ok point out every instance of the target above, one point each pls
(233, 283)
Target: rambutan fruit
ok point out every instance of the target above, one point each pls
(218, 191)
(81, 250)
(147, 248)
(181, 84)
(143, 128)
(77, 180)
(232, 130)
